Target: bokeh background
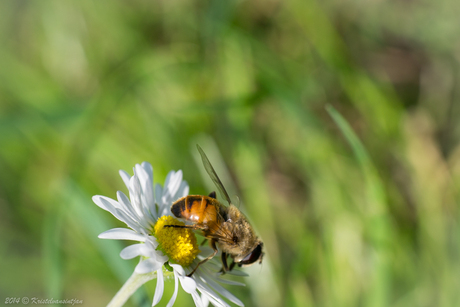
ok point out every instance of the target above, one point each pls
(336, 123)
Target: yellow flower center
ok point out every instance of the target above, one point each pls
(178, 243)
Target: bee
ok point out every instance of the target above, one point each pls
(222, 225)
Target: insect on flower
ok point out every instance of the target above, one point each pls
(223, 225)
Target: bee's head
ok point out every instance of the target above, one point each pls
(255, 255)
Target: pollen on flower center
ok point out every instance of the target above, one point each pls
(178, 243)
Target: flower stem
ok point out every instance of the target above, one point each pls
(130, 286)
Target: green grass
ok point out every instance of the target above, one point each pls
(335, 123)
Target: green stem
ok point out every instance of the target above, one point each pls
(130, 286)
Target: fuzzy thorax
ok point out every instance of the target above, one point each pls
(178, 243)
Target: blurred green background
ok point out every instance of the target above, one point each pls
(357, 207)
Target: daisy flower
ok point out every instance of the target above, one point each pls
(163, 251)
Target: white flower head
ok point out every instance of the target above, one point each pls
(162, 250)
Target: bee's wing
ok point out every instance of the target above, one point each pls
(221, 233)
(212, 173)
(218, 231)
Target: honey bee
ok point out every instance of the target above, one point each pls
(223, 225)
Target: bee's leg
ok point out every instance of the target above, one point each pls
(195, 227)
(180, 226)
(232, 265)
(213, 245)
(225, 267)
(204, 241)
(224, 263)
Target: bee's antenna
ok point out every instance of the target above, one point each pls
(261, 263)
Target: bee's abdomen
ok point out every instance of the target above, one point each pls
(194, 208)
(178, 207)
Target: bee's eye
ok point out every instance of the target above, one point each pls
(252, 256)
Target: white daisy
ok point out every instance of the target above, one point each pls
(163, 250)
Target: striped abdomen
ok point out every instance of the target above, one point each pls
(197, 208)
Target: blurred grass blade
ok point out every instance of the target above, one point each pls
(52, 254)
(377, 222)
(374, 186)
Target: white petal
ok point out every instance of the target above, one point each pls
(183, 190)
(165, 210)
(178, 269)
(166, 197)
(212, 296)
(141, 210)
(188, 284)
(231, 282)
(147, 266)
(133, 251)
(159, 288)
(125, 176)
(147, 187)
(151, 240)
(218, 303)
(160, 257)
(175, 182)
(158, 194)
(148, 169)
(105, 203)
(176, 287)
(121, 234)
(173, 185)
(122, 216)
(224, 292)
(142, 173)
(168, 179)
(125, 204)
(197, 299)
(205, 300)
(97, 200)
(134, 194)
(237, 273)
(114, 207)
(150, 252)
